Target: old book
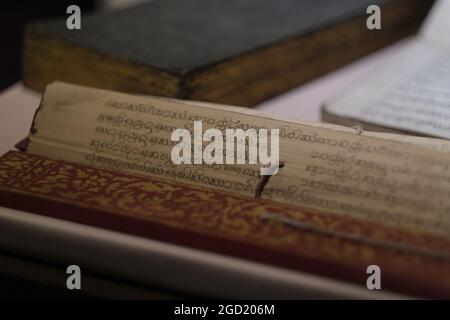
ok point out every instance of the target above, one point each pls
(220, 51)
(327, 170)
(410, 94)
(365, 182)
(238, 226)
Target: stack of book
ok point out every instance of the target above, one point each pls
(98, 184)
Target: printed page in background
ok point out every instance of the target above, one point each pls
(436, 27)
(410, 93)
(331, 171)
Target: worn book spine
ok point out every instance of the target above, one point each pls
(243, 227)
(250, 66)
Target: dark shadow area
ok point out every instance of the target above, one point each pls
(14, 15)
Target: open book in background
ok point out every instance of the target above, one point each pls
(226, 51)
(343, 200)
(411, 94)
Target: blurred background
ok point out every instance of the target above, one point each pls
(14, 15)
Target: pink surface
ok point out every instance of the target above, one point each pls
(304, 102)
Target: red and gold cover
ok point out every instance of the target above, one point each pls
(242, 227)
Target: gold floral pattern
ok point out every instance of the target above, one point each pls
(233, 220)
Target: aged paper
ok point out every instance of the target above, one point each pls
(327, 169)
(411, 92)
